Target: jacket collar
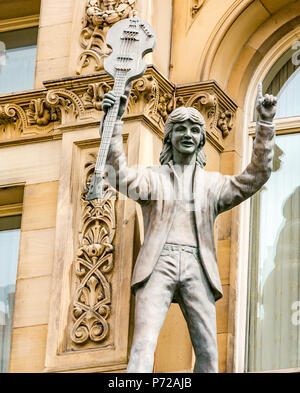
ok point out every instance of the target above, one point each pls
(196, 170)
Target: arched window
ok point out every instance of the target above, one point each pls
(11, 199)
(274, 291)
(289, 97)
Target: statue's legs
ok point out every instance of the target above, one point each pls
(178, 271)
(152, 302)
(197, 303)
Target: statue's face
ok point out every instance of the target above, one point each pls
(186, 137)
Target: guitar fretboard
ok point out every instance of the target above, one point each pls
(109, 123)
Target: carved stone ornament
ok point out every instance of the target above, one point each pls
(206, 103)
(94, 95)
(77, 101)
(225, 122)
(144, 96)
(93, 267)
(41, 114)
(33, 119)
(99, 16)
(197, 4)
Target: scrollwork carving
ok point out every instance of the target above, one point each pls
(11, 113)
(32, 119)
(225, 122)
(165, 106)
(11, 117)
(144, 96)
(92, 99)
(69, 103)
(206, 103)
(93, 265)
(40, 114)
(150, 99)
(75, 102)
(99, 16)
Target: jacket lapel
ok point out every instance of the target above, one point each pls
(198, 186)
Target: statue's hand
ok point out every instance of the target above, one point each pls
(109, 100)
(265, 105)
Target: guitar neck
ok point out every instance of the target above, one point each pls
(110, 120)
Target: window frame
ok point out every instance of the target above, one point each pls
(20, 23)
(283, 126)
(10, 210)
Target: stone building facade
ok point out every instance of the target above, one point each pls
(72, 308)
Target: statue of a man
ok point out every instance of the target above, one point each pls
(180, 202)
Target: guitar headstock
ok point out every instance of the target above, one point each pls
(130, 40)
(96, 188)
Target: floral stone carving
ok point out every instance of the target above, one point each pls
(39, 113)
(206, 103)
(92, 99)
(93, 266)
(225, 122)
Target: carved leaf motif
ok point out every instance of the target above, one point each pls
(94, 262)
(166, 105)
(94, 95)
(11, 113)
(67, 102)
(206, 103)
(225, 122)
(144, 96)
(38, 113)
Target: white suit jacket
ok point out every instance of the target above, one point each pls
(154, 188)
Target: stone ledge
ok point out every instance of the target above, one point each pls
(75, 101)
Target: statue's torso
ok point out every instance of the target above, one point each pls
(183, 229)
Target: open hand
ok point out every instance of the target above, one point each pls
(265, 105)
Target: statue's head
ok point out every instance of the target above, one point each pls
(184, 132)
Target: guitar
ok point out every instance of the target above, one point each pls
(130, 40)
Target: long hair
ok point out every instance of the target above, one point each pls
(179, 115)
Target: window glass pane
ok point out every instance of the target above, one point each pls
(274, 312)
(289, 97)
(9, 250)
(17, 60)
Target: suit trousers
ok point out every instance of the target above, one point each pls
(178, 276)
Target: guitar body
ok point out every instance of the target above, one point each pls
(130, 40)
(137, 46)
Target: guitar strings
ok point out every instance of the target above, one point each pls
(120, 80)
(110, 120)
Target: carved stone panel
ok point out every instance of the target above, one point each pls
(93, 268)
(90, 298)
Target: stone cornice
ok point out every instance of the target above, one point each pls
(74, 102)
(19, 23)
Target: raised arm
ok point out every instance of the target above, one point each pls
(131, 182)
(235, 189)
